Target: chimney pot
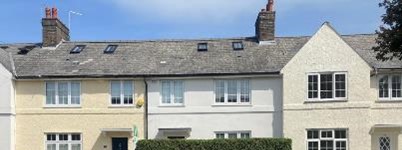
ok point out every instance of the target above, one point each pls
(54, 12)
(47, 12)
(270, 5)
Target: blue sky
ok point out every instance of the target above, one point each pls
(183, 19)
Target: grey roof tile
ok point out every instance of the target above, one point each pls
(173, 58)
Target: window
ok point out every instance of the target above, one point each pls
(232, 91)
(389, 87)
(110, 49)
(326, 86)
(385, 143)
(77, 49)
(327, 139)
(122, 92)
(63, 93)
(172, 92)
(202, 47)
(238, 45)
(233, 135)
(63, 141)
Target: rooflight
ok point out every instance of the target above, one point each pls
(110, 49)
(238, 45)
(77, 49)
(202, 47)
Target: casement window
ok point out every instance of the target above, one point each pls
(63, 141)
(384, 143)
(172, 92)
(389, 87)
(327, 86)
(327, 139)
(63, 93)
(121, 93)
(232, 91)
(233, 135)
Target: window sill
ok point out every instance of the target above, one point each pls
(181, 105)
(56, 107)
(389, 101)
(121, 106)
(232, 105)
(326, 101)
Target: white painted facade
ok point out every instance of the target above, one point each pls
(7, 110)
(361, 113)
(203, 117)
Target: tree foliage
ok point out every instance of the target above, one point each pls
(389, 40)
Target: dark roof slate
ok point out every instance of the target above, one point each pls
(5, 60)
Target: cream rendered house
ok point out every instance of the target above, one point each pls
(66, 99)
(338, 96)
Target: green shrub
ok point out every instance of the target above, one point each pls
(217, 144)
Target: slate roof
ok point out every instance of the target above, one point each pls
(5, 59)
(363, 44)
(173, 58)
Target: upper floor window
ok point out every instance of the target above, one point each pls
(172, 92)
(389, 87)
(122, 92)
(327, 86)
(232, 91)
(63, 141)
(63, 93)
(233, 135)
(327, 139)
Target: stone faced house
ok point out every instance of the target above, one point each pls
(325, 92)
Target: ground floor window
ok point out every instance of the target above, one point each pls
(233, 135)
(385, 143)
(327, 139)
(63, 141)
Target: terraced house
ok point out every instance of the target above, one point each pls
(325, 92)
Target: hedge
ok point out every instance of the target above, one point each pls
(217, 144)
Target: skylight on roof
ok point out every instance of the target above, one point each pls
(238, 46)
(77, 49)
(110, 49)
(202, 46)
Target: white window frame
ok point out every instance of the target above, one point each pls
(57, 94)
(121, 94)
(238, 94)
(327, 139)
(389, 98)
(334, 98)
(70, 141)
(238, 134)
(172, 96)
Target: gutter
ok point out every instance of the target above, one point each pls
(144, 75)
(146, 110)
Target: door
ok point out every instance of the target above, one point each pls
(119, 143)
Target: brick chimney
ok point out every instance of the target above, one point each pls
(265, 24)
(53, 30)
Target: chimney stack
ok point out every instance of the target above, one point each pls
(265, 24)
(53, 30)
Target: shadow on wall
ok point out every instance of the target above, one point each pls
(101, 142)
(277, 121)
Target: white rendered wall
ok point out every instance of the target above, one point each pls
(263, 117)
(7, 111)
